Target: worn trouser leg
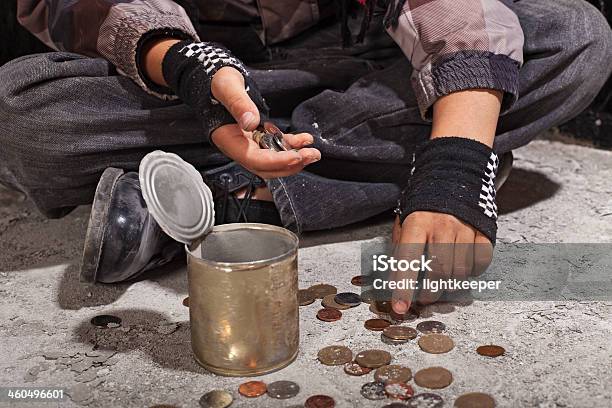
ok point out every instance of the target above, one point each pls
(371, 128)
(64, 118)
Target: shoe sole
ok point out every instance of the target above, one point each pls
(92, 248)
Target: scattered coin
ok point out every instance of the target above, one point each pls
(186, 302)
(329, 301)
(392, 342)
(320, 401)
(327, 314)
(106, 321)
(475, 400)
(368, 296)
(409, 316)
(373, 358)
(305, 297)
(436, 343)
(348, 298)
(335, 355)
(252, 389)
(352, 368)
(425, 400)
(216, 399)
(283, 389)
(401, 391)
(362, 280)
(376, 324)
(393, 374)
(490, 350)
(322, 290)
(381, 307)
(431, 326)
(433, 378)
(400, 333)
(374, 390)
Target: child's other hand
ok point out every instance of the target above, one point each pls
(458, 251)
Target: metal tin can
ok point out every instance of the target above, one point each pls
(243, 283)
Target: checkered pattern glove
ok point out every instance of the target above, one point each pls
(456, 176)
(188, 68)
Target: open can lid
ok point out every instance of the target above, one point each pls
(176, 196)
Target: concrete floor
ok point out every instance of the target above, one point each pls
(559, 354)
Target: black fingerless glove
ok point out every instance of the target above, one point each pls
(455, 176)
(188, 68)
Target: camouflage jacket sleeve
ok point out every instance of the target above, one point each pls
(455, 45)
(113, 29)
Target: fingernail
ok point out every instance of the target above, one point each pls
(246, 119)
(400, 306)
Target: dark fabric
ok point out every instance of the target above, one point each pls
(454, 176)
(189, 67)
(64, 118)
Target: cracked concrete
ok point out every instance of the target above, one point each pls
(559, 354)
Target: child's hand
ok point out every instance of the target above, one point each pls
(458, 251)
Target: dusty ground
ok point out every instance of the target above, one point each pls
(558, 354)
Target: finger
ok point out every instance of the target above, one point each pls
(397, 230)
(463, 258)
(411, 246)
(297, 141)
(228, 88)
(440, 251)
(483, 254)
(264, 160)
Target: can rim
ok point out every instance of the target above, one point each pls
(240, 266)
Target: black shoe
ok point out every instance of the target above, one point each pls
(123, 240)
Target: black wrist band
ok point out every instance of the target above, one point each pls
(456, 176)
(188, 68)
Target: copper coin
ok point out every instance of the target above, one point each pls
(322, 290)
(431, 326)
(252, 388)
(186, 302)
(283, 389)
(107, 321)
(348, 298)
(305, 297)
(425, 400)
(392, 342)
(335, 355)
(327, 314)
(374, 390)
(216, 399)
(328, 301)
(433, 378)
(352, 368)
(362, 280)
(490, 350)
(475, 400)
(400, 333)
(373, 358)
(320, 401)
(401, 391)
(409, 316)
(436, 343)
(376, 324)
(393, 374)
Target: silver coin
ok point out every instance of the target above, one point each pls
(348, 298)
(425, 400)
(374, 390)
(431, 326)
(283, 389)
(216, 399)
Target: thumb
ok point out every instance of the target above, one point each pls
(229, 89)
